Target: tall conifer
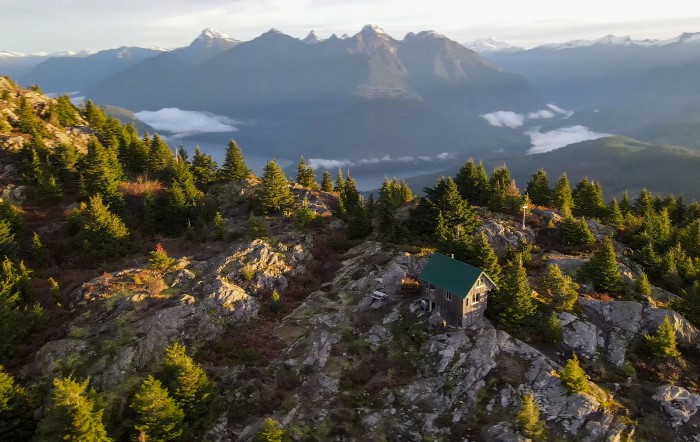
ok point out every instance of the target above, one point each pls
(234, 167)
(73, 415)
(274, 195)
(158, 417)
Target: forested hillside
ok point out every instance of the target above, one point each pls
(149, 294)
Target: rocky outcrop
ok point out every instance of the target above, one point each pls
(609, 328)
(504, 235)
(125, 325)
(677, 402)
(567, 263)
(459, 374)
(581, 336)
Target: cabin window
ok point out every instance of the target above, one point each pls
(448, 296)
(479, 282)
(477, 297)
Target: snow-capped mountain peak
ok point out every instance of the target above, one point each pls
(213, 34)
(492, 45)
(374, 30)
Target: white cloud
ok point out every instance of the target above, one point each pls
(322, 163)
(515, 120)
(181, 123)
(543, 114)
(504, 119)
(557, 138)
(557, 109)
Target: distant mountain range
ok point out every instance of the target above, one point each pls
(364, 95)
(375, 102)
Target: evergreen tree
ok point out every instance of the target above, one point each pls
(54, 291)
(472, 182)
(27, 120)
(19, 316)
(588, 199)
(187, 382)
(339, 182)
(560, 288)
(504, 195)
(73, 415)
(39, 252)
(514, 296)
(689, 304)
(274, 195)
(16, 410)
(679, 211)
(625, 204)
(66, 113)
(392, 195)
(573, 377)
(98, 177)
(158, 418)
(642, 286)
(234, 167)
(8, 245)
(326, 181)
(528, 418)
(574, 232)
(203, 169)
(181, 154)
(63, 161)
(663, 344)
(644, 203)
(655, 229)
(159, 259)
(219, 226)
(271, 431)
(689, 236)
(306, 177)
(101, 234)
(538, 189)
(94, 115)
(359, 221)
(276, 303)
(456, 211)
(160, 159)
(614, 216)
(603, 270)
(561, 196)
(648, 258)
(483, 256)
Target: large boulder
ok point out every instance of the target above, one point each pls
(581, 336)
(567, 263)
(677, 402)
(686, 333)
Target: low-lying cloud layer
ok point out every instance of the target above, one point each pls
(504, 119)
(181, 123)
(557, 138)
(544, 141)
(323, 163)
(515, 120)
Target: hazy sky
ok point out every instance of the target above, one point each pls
(55, 25)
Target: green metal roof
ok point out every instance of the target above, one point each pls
(455, 276)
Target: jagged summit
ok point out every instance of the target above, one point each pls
(312, 38)
(210, 35)
(373, 28)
